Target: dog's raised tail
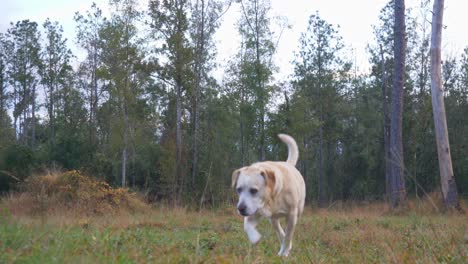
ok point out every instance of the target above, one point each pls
(293, 151)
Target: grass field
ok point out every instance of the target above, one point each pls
(165, 235)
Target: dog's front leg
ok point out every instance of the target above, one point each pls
(286, 246)
(250, 223)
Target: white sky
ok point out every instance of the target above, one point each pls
(355, 18)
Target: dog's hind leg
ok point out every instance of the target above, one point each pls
(286, 246)
(250, 223)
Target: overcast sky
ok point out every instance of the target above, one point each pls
(355, 18)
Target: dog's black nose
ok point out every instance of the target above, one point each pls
(242, 209)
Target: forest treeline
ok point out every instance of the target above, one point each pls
(140, 107)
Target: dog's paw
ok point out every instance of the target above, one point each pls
(284, 251)
(254, 237)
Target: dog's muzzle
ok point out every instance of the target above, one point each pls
(242, 209)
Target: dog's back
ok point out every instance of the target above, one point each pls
(293, 185)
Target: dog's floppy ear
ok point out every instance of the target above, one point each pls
(272, 182)
(235, 175)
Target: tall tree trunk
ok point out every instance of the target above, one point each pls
(321, 180)
(24, 126)
(397, 183)
(124, 163)
(260, 87)
(449, 190)
(386, 126)
(52, 87)
(241, 116)
(125, 95)
(304, 161)
(241, 123)
(2, 96)
(178, 178)
(125, 147)
(15, 115)
(91, 114)
(242, 130)
(199, 71)
(94, 96)
(321, 177)
(33, 117)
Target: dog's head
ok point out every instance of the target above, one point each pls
(255, 186)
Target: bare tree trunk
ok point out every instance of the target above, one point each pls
(241, 116)
(125, 97)
(51, 110)
(242, 138)
(52, 119)
(397, 186)
(304, 164)
(261, 99)
(199, 71)
(321, 179)
(33, 117)
(15, 115)
(125, 135)
(449, 190)
(94, 100)
(178, 178)
(2, 94)
(386, 126)
(124, 160)
(24, 126)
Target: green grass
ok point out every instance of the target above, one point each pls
(181, 236)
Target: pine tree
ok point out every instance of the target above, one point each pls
(3, 89)
(54, 70)
(169, 23)
(120, 59)
(257, 67)
(23, 71)
(317, 82)
(87, 37)
(203, 24)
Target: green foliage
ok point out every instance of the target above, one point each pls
(319, 100)
(23, 57)
(18, 159)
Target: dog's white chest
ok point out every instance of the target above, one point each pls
(265, 212)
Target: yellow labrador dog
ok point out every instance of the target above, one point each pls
(273, 190)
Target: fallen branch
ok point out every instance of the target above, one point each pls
(11, 175)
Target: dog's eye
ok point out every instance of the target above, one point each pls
(253, 191)
(239, 190)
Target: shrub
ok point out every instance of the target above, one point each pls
(72, 192)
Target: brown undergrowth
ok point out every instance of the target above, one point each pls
(72, 193)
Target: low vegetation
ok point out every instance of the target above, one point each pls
(164, 234)
(73, 193)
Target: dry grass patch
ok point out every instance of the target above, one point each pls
(166, 234)
(72, 193)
